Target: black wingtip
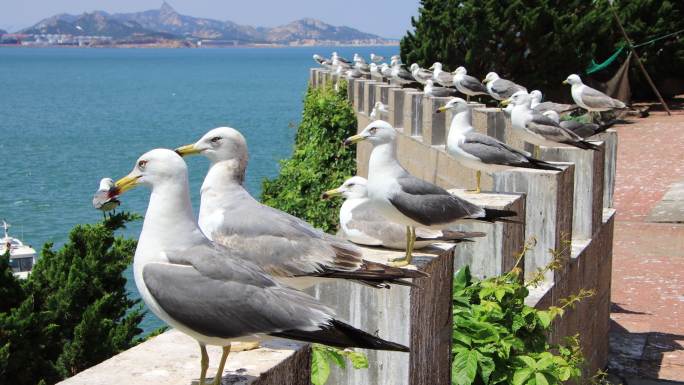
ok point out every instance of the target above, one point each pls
(495, 215)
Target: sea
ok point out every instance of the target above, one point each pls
(71, 116)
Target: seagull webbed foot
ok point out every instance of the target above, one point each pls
(239, 346)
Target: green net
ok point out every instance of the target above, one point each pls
(595, 67)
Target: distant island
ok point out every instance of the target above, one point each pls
(164, 27)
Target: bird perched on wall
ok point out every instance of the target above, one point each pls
(375, 73)
(105, 197)
(499, 88)
(362, 224)
(537, 105)
(376, 58)
(379, 111)
(214, 294)
(481, 152)
(431, 89)
(402, 198)
(538, 129)
(468, 85)
(287, 247)
(325, 63)
(401, 76)
(419, 74)
(386, 70)
(591, 99)
(444, 78)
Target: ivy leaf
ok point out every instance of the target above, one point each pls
(545, 318)
(358, 360)
(320, 369)
(335, 356)
(464, 367)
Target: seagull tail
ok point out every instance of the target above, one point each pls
(459, 236)
(375, 275)
(584, 145)
(342, 335)
(541, 165)
(495, 215)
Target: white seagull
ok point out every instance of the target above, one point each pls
(499, 88)
(215, 294)
(589, 98)
(442, 77)
(362, 224)
(402, 198)
(468, 85)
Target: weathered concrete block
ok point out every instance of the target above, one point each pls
(434, 124)
(548, 211)
(492, 122)
(610, 140)
(359, 93)
(173, 358)
(396, 107)
(370, 95)
(498, 251)
(419, 317)
(351, 92)
(413, 113)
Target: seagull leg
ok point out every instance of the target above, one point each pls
(478, 177)
(537, 152)
(204, 363)
(467, 98)
(410, 241)
(239, 346)
(222, 364)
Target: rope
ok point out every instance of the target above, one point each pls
(658, 38)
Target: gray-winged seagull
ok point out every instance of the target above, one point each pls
(468, 85)
(499, 88)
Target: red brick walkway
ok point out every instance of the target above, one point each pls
(647, 333)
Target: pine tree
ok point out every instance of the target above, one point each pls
(538, 43)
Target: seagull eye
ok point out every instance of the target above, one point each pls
(142, 164)
(215, 139)
(350, 185)
(373, 130)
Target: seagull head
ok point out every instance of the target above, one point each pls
(154, 168)
(380, 106)
(106, 184)
(456, 104)
(377, 132)
(354, 188)
(373, 67)
(436, 66)
(414, 67)
(520, 98)
(220, 144)
(317, 57)
(572, 80)
(491, 77)
(460, 71)
(536, 96)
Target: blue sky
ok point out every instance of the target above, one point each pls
(388, 18)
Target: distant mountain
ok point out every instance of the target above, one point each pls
(90, 24)
(171, 24)
(2, 32)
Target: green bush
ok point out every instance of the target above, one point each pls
(319, 162)
(74, 311)
(497, 339)
(539, 43)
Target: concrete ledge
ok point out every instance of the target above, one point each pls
(173, 358)
(610, 140)
(419, 317)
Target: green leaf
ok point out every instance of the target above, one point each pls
(540, 379)
(528, 361)
(358, 360)
(521, 375)
(545, 318)
(564, 373)
(464, 367)
(486, 365)
(335, 356)
(462, 278)
(545, 360)
(320, 369)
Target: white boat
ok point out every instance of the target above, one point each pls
(22, 257)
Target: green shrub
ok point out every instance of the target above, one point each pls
(319, 162)
(497, 339)
(539, 43)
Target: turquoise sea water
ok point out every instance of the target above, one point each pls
(69, 117)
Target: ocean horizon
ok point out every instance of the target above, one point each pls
(73, 116)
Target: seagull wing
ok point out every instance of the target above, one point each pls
(596, 99)
(551, 106)
(471, 83)
(506, 88)
(376, 227)
(442, 91)
(491, 151)
(429, 204)
(550, 130)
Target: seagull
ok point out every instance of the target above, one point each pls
(362, 224)
(376, 58)
(339, 58)
(499, 88)
(468, 85)
(358, 59)
(442, 77)
(585, 130)
(375, 72)
(589, 98)
(379, 109)
(385, 70)
(326, 63)
(419, 74)
(431, 89)
(104, 198)
(537, 105)
(481, 152)
(402, 198)
(538, 129)
(360, 64)
(290, 249)
(212, 293)
(401, 76)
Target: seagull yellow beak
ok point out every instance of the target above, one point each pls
(441, 109)
(506, 102)
(485, 80)
(331, 193)
(124, 184)
(189, 149)
(565, 82)
(354, 139)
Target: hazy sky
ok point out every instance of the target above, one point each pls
(388, 18)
